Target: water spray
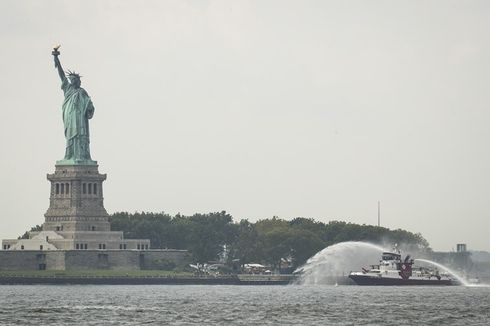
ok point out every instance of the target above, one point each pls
(461, 280)
(334, 263)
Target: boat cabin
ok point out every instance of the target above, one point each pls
(387, 256)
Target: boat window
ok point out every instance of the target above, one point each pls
(389, 257)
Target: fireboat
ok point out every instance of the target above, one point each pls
(392, 270)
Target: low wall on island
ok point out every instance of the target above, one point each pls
(174, 279)
(91, 259)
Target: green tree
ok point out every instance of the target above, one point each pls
(265, 241)
(246, 244)
(36, 228)
(303, 245)
(208, 234)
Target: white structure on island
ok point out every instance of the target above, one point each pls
(76, 218)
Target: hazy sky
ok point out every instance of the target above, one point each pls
(260, 108)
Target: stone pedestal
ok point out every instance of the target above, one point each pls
(76, 201)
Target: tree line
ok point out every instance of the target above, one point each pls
(266, 241)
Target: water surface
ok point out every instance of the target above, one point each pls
(242, 305)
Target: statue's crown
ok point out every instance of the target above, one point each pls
(73, 74)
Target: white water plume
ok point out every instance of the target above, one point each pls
(446, 269)
(337, 261)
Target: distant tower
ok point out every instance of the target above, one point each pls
(462, 258)
(461, 247)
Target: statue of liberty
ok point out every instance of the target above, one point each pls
(77, 110)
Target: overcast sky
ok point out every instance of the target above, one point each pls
(260, 108)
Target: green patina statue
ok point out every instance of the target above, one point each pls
(77, 110)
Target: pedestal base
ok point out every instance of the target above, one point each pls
(76, 162)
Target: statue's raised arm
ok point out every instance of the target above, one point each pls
(57, 63)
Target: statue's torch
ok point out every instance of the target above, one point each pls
(56, 53)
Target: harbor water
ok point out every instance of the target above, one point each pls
(242, 305)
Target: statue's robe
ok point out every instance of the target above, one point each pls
(77, 110)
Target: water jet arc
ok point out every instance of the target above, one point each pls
(461, 280)
(333, 264)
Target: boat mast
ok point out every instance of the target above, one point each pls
(379, 212)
